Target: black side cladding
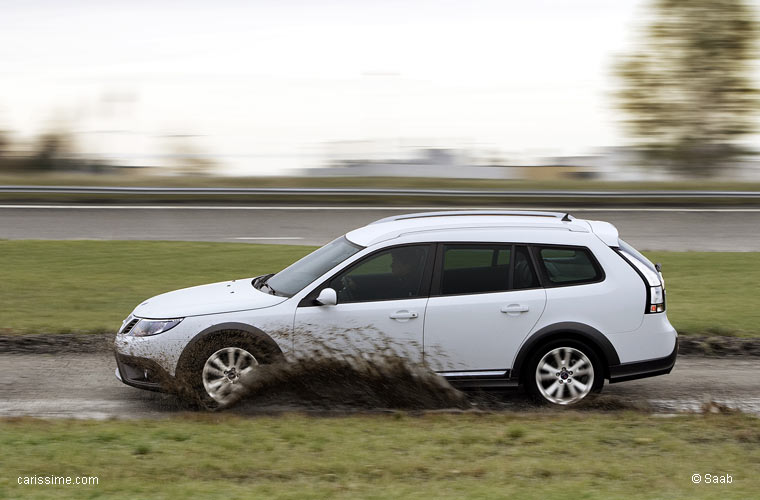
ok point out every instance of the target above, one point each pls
(590, 335)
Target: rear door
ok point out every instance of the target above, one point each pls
(485, 299)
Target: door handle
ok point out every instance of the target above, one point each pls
(404, 315)
(515, 309)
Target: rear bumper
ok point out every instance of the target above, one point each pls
(142, 373)
(643, 369)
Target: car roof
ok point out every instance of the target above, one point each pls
(396, 226)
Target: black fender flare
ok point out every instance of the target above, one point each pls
(267, 343)
(566, 330)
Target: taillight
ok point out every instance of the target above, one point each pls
(656, 299)
(650, 274)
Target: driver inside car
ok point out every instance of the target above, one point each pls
(402, 277)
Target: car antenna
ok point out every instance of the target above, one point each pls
(566, 218)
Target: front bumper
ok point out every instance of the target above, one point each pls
(643, 369)
(142, 373)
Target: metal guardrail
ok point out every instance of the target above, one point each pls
(216, 191)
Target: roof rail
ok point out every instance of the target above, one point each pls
(566, 217)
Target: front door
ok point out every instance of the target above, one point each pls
(380, 308)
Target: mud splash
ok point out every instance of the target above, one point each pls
(357, 367)
(386, 382)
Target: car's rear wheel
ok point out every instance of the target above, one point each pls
(564, 373)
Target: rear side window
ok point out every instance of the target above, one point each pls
(569, 265)
(475, 269)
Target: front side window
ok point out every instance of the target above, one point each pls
(396, 273)
(566, 266)
(294, 278)
(475, 269)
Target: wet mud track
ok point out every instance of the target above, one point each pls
(84, 386)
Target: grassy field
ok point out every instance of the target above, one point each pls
(90, 286)
(713, 292)
(529, 455)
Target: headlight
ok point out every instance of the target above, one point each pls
(148, 327)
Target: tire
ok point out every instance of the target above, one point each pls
(550, 379)
(213, 370)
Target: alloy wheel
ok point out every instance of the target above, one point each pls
(564, 375)
(223, 370)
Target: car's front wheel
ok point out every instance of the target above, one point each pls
(223, 371)
(564, 373)
(218, 367)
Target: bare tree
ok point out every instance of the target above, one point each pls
(4, 143)
(687, 90)
(188, 160)
(51, 150)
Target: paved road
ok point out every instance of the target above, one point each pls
(646, 229)
(84, 386)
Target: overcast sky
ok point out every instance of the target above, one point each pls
(250, 81)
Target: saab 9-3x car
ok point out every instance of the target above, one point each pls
(540, 300)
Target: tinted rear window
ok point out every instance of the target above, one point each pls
(564, 265)
(637, 255)
(475, 269)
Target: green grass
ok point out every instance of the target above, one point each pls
(90, 286)
(712, 292)
(528, 455)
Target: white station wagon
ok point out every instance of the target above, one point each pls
(540, 300)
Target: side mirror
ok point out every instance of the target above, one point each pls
(327, 297)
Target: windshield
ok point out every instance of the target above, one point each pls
(295, 277)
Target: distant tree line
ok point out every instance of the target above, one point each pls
(49, 152)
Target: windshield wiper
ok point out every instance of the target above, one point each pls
(261, 282)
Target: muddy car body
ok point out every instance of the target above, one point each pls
(484, 298)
